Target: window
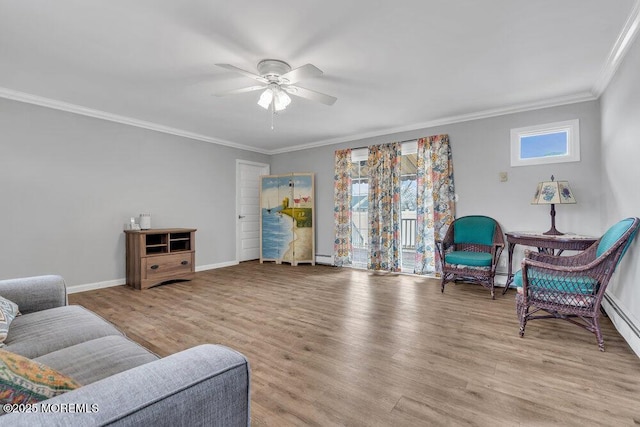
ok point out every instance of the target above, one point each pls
(549, 143)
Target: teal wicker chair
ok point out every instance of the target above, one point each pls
(572, 287)
(470, 251)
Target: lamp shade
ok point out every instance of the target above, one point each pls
(265, 99)
(281, 100)
(553, 192)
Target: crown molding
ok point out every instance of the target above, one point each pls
(77, 109)
(485, 114)
(618, 51)
(90, 112)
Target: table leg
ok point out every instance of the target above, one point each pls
(510, 247)
(550, 251)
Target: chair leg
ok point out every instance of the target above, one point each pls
(521, 311)
(596, 327)
(442, 282)
(523, 323)
(492, 288)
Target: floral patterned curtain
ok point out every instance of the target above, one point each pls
(384, 207)
(342, 245)
(436, 199)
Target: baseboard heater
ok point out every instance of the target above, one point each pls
(622, 315)
(324, 259)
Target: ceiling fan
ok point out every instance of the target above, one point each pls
(277, 80)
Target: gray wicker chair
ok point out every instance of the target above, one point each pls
(470, 251)
(572, 287)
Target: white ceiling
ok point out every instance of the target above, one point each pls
(393, 65)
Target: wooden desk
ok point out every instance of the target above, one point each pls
(553, 245)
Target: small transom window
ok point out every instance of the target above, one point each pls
(549, 143)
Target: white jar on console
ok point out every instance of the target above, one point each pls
(145, 221)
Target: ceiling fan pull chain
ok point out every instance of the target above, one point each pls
(273, 112)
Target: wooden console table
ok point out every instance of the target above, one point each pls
(553, 245)
(158, 255)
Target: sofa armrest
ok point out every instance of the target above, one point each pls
(35, 293)
(207, 385)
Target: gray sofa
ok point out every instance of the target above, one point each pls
(207, 385)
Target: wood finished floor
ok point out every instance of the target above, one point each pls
(330, 346)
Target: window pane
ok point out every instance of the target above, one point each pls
(545, 145)
(359, 213)
(408, 202)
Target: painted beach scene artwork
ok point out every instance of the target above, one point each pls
(286, 203)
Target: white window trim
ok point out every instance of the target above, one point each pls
(572, 127)
(360, 154)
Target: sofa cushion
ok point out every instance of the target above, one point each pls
(208, 385)
(35, 334)
(94, 360)
(25, 381)
(8, 312)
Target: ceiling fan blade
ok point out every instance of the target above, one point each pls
(301, 73)
(310, 94)
(243, 72)
(242, 90)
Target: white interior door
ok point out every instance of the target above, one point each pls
(248, 208)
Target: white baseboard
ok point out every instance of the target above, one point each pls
(214, 266)
(72, 289)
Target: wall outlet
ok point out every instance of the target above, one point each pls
(503, 176)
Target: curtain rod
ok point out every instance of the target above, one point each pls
(401, 142)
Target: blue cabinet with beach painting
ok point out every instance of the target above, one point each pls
(287, 218)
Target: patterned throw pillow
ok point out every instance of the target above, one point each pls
(24, 381)
(8, 312)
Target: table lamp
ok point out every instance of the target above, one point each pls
(552, 193)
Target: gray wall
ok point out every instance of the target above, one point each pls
(68, 183)
(621, 178)
(481, 149)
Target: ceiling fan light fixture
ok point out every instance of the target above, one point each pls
(281, 100)
(266, 98)
(276, 96)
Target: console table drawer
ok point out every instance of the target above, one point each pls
(167, 265)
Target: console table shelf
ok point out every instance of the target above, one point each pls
(158, 255)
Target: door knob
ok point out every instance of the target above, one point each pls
(240, 216)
